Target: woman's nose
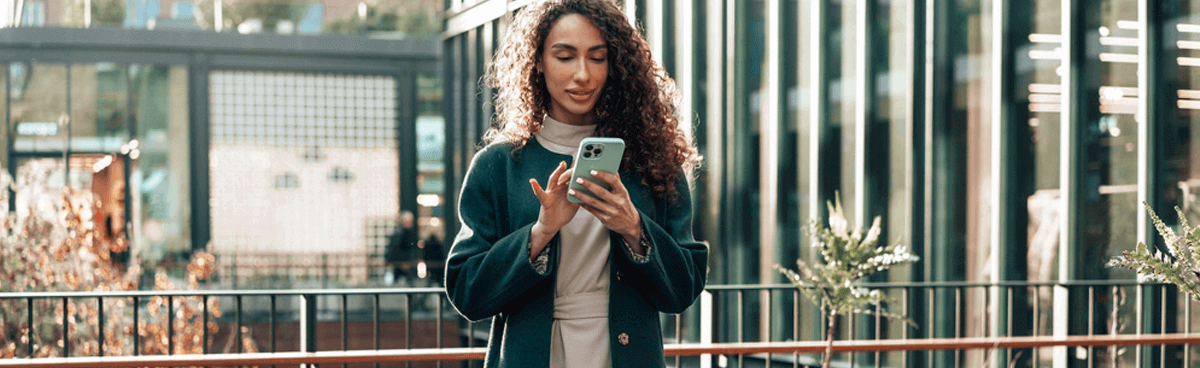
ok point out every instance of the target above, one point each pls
(582, 74)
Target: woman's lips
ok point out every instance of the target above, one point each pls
(580, 95)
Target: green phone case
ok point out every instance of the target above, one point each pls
(600, 154)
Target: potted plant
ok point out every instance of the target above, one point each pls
(846, 256)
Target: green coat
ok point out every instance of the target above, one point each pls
(488, 273)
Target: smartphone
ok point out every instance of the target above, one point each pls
(600, 154)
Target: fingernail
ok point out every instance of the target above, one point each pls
(594, 173)
(571, 191)
(579, 180)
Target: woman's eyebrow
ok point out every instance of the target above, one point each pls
(563, 45)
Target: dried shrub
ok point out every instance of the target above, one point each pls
(51, 243)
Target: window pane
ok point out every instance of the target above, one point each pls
(161, 179)
(303, 164)
(39, 108)
(431, 138)
(99, 107)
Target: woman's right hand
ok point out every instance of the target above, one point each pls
(556, 211)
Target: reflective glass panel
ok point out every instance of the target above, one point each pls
(160, 182)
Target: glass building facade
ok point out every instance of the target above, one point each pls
(1000, 140)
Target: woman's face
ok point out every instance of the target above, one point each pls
(575, 63)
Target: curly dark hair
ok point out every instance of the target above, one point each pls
(638, 102)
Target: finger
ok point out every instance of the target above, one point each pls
(562, 165)
(605, 176)
(564, 179)
(588, 201)
(537, 188)
(597, 190)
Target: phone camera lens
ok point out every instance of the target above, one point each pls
(587, 147)
(587, 155)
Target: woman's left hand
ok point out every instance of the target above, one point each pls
(613, 207)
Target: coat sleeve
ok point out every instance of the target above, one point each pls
(487, 270)
(675, 270)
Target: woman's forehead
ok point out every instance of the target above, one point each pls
(575, 31)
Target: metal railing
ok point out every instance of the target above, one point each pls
(731, 325)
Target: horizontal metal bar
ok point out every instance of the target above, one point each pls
(265, 292)
(929, 344)
(411, 355)
(428, 290)
(161, 41)
(946, 284)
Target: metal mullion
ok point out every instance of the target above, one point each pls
(769, 145)
(1148, 44)
(914, 159)
(451, 161)
(684, 76)
(926, 133)
(939, 83)
(1147, 75)
(1001, 99)
(864, 107)
(653, 26)
(1072, 50)
(819, 95)
(199, 137)
(735, 128)
(714, 115)
(631, 12)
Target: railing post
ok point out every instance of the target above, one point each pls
(706, 326)
(308, 324)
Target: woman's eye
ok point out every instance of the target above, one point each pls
(564, 58)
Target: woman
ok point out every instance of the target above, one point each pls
(576, 285)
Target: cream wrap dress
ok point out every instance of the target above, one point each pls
(580, 331)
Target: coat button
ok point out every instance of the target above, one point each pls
(620, 276)
(623, 338)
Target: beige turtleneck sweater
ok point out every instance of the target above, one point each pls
(580, 329)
